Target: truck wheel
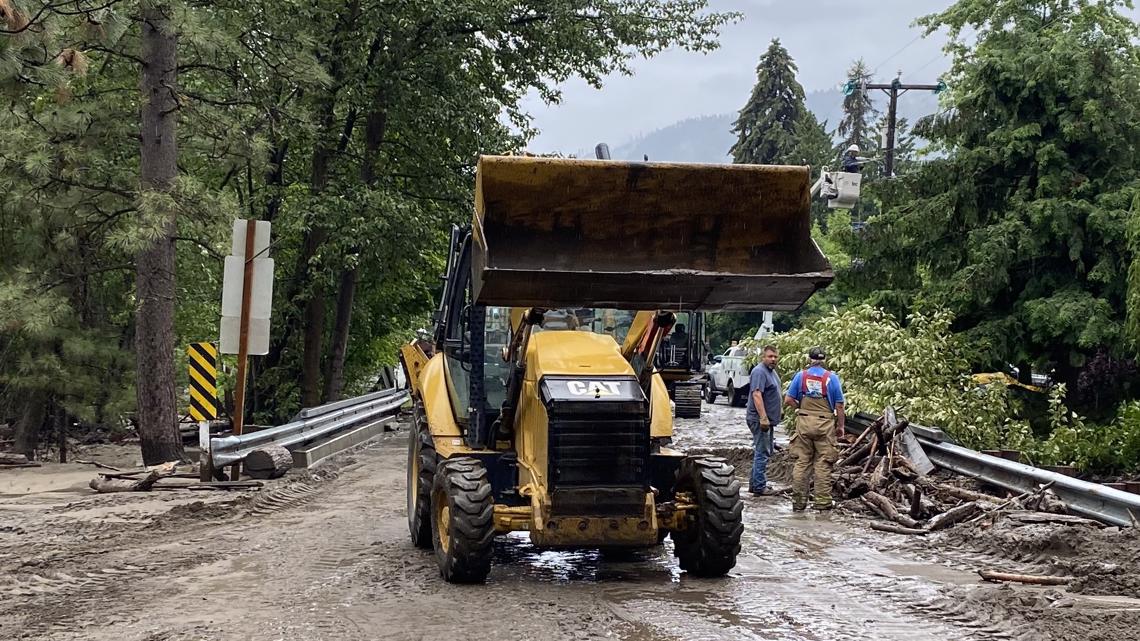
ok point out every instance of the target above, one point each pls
(737, 396)
(710, 393)
(688, 401)
(421, 474)
(462, 528)
(709, 545)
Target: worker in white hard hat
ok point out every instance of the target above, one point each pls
(850, 160)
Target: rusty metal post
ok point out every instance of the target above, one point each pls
(243, 337)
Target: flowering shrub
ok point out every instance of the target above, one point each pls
(921, 370)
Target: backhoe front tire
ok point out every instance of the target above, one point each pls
(709, 545)
(462, 528)
(422, 463)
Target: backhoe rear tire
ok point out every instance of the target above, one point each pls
(709, 545)
(422, 463)
(688, 401)
(463, 531)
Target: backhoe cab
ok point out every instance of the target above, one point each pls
(542, 409)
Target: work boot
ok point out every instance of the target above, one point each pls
(799, 506)
(823, 507)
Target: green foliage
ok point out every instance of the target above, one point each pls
(1018, 228)
(923, 371)
(724, 327)
(354, 127)
(855, 128)
(834, 241)
(920, 369)
(774, 127)
(1111, 448)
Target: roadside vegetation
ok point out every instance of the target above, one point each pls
(1007, 243)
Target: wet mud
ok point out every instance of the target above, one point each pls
(327, 556)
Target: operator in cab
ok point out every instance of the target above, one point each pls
(817, 395)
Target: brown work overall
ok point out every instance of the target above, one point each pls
(813, 445)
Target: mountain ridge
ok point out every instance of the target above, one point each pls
(707, 138)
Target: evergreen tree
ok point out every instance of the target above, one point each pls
(812, 145)
(770, 124)
(858, 111)
(1019, 227)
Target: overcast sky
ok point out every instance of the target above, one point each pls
(823, 36)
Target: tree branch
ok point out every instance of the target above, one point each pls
(209, 250)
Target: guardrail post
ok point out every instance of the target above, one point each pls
(205, 463)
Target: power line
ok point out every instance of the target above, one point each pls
(890, 57)
(927, 63)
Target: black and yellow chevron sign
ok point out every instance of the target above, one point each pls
(203, 381)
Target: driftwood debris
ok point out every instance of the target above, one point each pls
(1025, 516)
(103, 484)
(886, 508)
(1032, 579)
(953, 515)
(897, 529)
(211, 485)
(98, 465)
(886, 472)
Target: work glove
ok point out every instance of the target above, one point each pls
(765, 424)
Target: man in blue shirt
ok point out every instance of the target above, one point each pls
(817, 395)
(762, 414)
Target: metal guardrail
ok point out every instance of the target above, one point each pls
(309, 425)
(348, 402)
(1091, 500)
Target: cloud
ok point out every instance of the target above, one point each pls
(823, 36)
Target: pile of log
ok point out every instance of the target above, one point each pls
(885, 473)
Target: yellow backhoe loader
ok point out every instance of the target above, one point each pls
(540, 409)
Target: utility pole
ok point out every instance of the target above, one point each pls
(895, 89)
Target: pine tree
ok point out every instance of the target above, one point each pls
(858, 111)
(769, 127)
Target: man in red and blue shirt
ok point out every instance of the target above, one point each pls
(817, 395)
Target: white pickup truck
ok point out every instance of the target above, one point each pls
(728, 376)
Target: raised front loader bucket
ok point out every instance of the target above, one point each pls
(589, 233)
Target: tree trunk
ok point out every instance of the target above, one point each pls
(154, 268)
(314, 336)
(61, 431)
(375, 126)
(334, 382)
(314, 315)
(32, 416)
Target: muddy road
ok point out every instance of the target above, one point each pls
(326, 556)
